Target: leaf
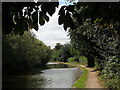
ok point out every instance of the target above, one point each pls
(78, 17)
(46, 18)
(66, 21)
(61, 11)
(61, 18)
(35, 17)
(41, 21)
(65, 26)
(44, 7)
(96, 20)
(51, 9)
(100, 19)
(43, 15)
(100, 26)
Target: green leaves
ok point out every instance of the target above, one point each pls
(78, 17)
(23, 52)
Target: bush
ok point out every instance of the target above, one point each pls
(83, 60)
(71, 59)
(21, 53)
(111, 73)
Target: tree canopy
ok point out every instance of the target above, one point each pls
(22, 16)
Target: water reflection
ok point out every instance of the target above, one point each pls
(57, 65)
(53, 76)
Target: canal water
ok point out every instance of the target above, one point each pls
(55, 75)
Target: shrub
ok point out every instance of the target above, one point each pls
(71, 59)
(111, 73)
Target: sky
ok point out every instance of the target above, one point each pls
(51, 33)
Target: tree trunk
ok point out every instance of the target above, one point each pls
(91, 61)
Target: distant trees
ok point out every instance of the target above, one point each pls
(58, 46)
(23, 53)
(63, 53)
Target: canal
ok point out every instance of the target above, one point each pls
(55, 75)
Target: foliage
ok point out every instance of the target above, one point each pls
(111, 73)
(61, 52)
(71, 59)
(23, 53)
(82, 60)
(106, 10)
(98, 42)
(58, 46)
(56, 55)
(65, 53)
(23, 16)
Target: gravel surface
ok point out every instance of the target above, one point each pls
(92, 81)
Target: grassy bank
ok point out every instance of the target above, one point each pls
(80, 83)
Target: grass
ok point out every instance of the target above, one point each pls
(80, 83)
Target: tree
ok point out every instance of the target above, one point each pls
(20, 21)
(21, 53)
(22, 16)
(100, 45)
(61, 52)
(65, 52)
(58, 46)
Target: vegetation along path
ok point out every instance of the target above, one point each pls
(92, 80)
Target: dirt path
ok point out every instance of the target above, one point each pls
(92, 81)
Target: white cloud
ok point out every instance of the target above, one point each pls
(52, 33)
